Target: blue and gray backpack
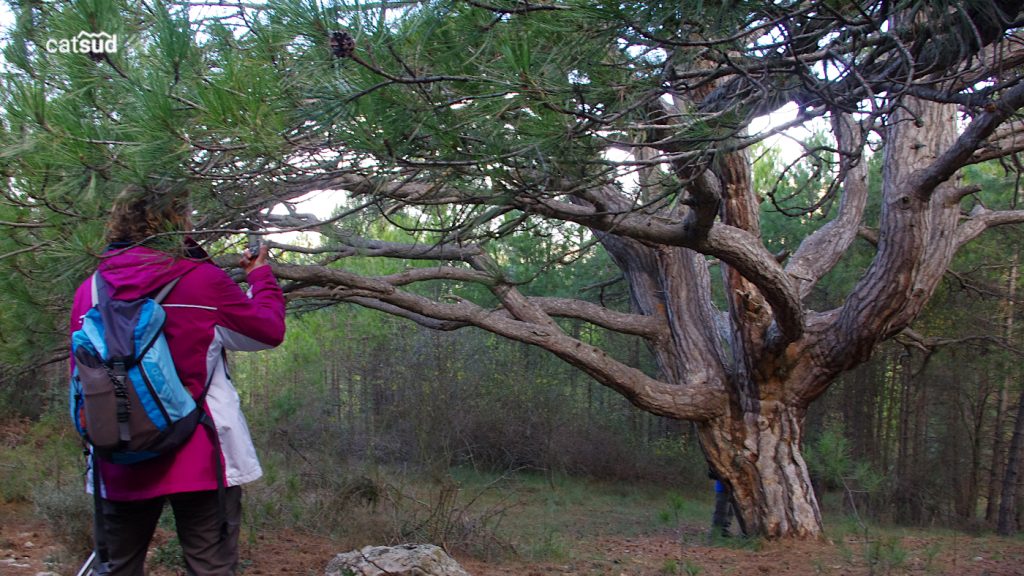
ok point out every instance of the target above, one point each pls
(127, 400)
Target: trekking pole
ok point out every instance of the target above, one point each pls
(86, 569)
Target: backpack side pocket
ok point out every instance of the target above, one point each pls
(99, 400)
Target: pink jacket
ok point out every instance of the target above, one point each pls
(207, 313)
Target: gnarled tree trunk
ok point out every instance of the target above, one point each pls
(758, 455)
(752, 430)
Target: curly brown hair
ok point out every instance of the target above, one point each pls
(141, 215)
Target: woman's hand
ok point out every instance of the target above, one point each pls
(249, 263)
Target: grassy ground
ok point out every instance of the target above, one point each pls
(517, 524)
(544, 517)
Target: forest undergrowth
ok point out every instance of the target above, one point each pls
(496, 523)
(516, 472)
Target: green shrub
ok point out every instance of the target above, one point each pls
(33, 450)
(828, 457)
(886, 555)
(831, 464)
(551, 547)
(68, 513)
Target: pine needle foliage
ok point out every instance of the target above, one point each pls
(234, 103)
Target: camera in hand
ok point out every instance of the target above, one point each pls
(254, 245)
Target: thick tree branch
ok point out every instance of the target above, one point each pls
(748, 255)
(695, 399)
(820, 251)
(981, 219)
(1007, 140)
(738, 248)
(915, 240)
(634, 324)
(923, 182)
(928, 344)
(624, 323)
(414, 275)
(335, 296)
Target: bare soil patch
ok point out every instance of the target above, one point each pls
(661, 555)
(27, 548)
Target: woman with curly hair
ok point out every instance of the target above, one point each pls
(207, 314)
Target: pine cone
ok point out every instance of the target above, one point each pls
(342, 44)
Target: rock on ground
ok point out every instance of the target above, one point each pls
(402, 560)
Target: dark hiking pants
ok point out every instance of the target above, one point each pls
(721, 519)
(129, 528)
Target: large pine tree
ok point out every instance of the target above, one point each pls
(622, 127)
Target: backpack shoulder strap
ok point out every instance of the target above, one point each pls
(95, 282)
(99, 286)
(166, 290)
(159, 298)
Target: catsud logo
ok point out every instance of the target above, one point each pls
(84, 43)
